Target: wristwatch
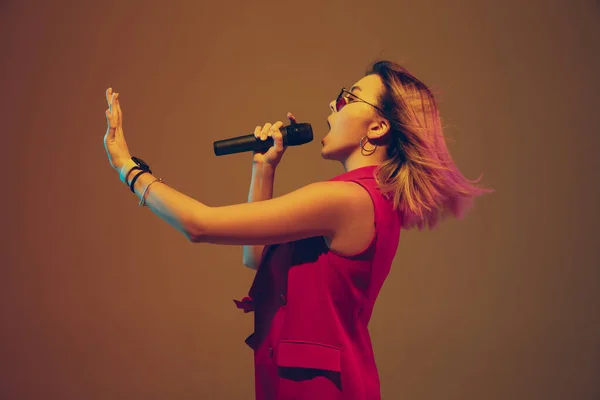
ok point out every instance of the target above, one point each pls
(130, 165)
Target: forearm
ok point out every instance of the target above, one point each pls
(261, 188)
(261, 185)
(178, 210)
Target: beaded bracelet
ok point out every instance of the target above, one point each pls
(142, 202)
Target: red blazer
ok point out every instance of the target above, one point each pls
(312, 307)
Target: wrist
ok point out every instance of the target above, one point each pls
(125, 169)
(133, 178)
(132, 164)
(263, 168)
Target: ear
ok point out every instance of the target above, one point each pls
(378, 131)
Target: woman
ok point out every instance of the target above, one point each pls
(323, 251)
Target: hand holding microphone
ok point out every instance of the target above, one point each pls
(262, 140)
(273, 154)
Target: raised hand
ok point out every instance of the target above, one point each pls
(114, 140)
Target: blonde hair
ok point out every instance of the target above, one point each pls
(418, 174)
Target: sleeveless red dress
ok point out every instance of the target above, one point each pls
(312, 307)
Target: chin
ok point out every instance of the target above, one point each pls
(331, 152)
(324, 154)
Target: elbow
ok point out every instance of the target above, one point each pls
(250, 265)
(193, 228)
(193, 235)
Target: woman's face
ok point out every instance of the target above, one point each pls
(355, 120)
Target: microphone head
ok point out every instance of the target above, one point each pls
(297, 134)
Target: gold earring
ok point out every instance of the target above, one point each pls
(364, 151)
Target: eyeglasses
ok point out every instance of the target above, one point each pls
(342, 100)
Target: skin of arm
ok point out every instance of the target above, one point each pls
(261, 188)
(318, 209)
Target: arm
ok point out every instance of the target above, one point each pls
(318, 209)
(315, 210)
(261, 188)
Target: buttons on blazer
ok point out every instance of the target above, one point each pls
(270, 351)
(283, 299)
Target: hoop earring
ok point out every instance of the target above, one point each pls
(364, 151)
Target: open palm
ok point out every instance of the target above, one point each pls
(114, 139)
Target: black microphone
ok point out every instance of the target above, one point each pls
(293, 135)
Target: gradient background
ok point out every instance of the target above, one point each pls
(100, 299)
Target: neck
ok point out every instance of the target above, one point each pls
(359, 160)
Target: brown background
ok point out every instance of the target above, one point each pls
(100, 299)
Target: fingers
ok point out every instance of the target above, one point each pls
(111, 96)
(265, 131)
(119, 111)
(114, 108)
(276, 126)
(113, 114)
(273, 130)
(269, 130)
(277, 137)
(292, 118)
(110, 133)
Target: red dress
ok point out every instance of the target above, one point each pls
(312, 307)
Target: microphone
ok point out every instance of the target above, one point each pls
(293, 135)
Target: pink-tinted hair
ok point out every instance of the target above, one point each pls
(418, 174)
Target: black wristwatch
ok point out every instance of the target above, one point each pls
(141, 164)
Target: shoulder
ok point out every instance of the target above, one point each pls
(331, 203)
(342, 202)
(338, 193)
